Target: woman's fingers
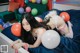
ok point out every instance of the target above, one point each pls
(15, 42)
(25, 45)
(11, 45)
(17, 46)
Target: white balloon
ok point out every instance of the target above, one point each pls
(50, 39)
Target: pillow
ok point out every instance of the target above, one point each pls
(13, 6)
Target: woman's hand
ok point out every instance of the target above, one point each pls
(17, 46)
(15, 42)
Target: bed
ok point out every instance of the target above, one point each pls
(66, 45)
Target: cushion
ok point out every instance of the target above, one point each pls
(13, 6)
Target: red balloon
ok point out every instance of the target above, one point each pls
(65, 16)
(16, 29)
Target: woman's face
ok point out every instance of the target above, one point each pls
(26, 25)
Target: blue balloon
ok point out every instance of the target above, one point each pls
(1, 22)
(38, 1)
(21, 10)
(6, 25)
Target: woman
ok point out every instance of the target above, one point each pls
(30, 25)
(55, 21)
(67, 45)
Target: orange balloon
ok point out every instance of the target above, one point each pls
(1, 27)
(16, 29)
(65, 16)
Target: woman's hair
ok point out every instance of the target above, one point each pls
(33, 22)
(27, 36)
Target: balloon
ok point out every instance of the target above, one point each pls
(38, 19)
(16, 29)
(21, 10)
(34, 11)
(6, 25)
(30, 0)
(26, 1)
(50, 39)
(65, 16)
(33, 1)
(44, 1)
(1, 27)
(1, 22)
(38, 1)
(0, 30)
(28, 9)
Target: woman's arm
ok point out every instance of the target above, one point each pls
(17, 45)
(36, 44)
(40, 31)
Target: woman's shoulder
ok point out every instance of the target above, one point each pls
(41, 30)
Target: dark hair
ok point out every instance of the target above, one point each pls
(27, 36)
(47, 19)
(33, 22)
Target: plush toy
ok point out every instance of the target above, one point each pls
(50, 14)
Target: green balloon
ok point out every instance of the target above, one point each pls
(44, 1)
(0, 30)
(34, 11)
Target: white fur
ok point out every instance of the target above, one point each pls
(50, 14)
